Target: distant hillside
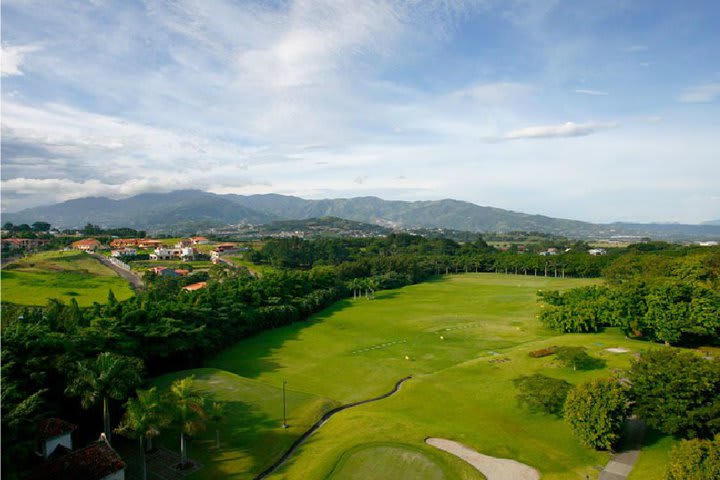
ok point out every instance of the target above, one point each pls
(146, 211)
(185, 210)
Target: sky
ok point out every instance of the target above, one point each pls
(596, 111)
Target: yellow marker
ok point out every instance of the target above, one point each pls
(442, 338)
(407, 358)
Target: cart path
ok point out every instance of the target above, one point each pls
(133, 278)
(320, 423)
(621, 464)
(493, 468)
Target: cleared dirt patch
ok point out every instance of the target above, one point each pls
(493, 468)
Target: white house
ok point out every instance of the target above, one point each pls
(162, 253)
(187, 254)
(54, 432)
(597, 251)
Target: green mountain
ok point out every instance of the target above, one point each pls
(185, 210)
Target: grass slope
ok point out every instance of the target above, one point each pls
(461, 388)
(62, 275)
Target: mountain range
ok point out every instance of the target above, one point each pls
(190, 210)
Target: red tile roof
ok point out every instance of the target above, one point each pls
(195, 286)
(87, 241)
(54, 427)
(93, 462)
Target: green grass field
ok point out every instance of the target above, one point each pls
(63, 275)
(144, 265)
(461, 387)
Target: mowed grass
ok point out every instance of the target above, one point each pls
(62, 275)
(463, 338)
(252, 434)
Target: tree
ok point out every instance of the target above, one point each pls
(189, 413)
(576, 357)
(143, 419)
(540, 392)
(677, 392)
(216, 415)
(596, 411)
(108, 376)
(41, 227)
(694, 460)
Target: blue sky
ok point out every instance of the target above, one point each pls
(598, 111)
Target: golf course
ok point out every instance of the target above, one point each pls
(461, 338)
(62, 275)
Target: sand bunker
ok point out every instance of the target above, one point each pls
(617, 350)
(493, 468)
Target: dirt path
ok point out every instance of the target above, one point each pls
(320, 423)
(493, 468)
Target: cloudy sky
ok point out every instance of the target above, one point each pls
(592, 110)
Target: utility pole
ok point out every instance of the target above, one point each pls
(284, 424)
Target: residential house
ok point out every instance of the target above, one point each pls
(195, 286)
(52, 433)
(549, 252)
(86, 245)
(124, 242)
(148, 243)
(97, 461)
(23, 242)
(199, 241)
(169, 272)
(597, 251)
(185, 254)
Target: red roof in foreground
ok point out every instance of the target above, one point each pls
(54, 427)
(195, 286)
(93, 462)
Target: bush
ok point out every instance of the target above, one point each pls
(540, 392)
(596, 412)
(543, 352)
(694, 460)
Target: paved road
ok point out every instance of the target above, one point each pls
(135, 281)
(621, 464)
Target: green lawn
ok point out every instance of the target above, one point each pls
(143, 265)
(62, 275)
(461, 387)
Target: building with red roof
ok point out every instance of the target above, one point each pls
(54, 432)
(97, 461)
(195, 286)
(86, 245)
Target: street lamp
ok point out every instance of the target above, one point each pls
(284, 424)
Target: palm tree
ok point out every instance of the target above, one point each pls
(143, 419)
(189, 412)
(217, 417)
(108, 376)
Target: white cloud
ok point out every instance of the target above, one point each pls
(568, 129)
(12, 58)
(590, 92)
(701, 93)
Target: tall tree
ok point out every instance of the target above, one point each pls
(596, 411)
(677, 392)
(189, 413)
(143, 419)
(108, 376)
